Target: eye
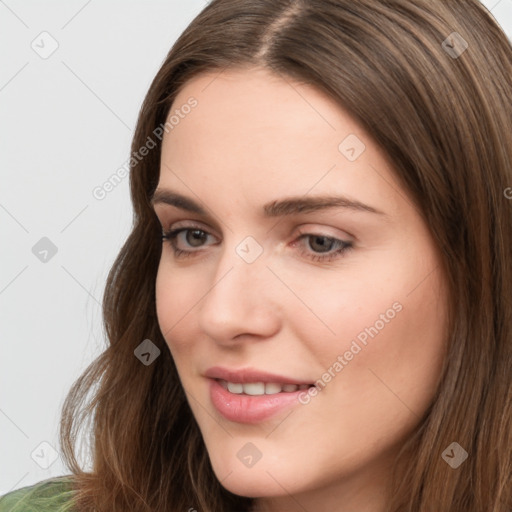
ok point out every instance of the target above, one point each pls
(193, 236)
(322, 248)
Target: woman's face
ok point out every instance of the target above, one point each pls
(281, 275)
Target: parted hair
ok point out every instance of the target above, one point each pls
(431, 83)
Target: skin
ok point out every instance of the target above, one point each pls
(255, 137)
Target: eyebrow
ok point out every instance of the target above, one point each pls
(277, 208)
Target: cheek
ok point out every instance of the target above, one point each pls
(176, 293)
(338, 307)
(382, 329)
(396, 374)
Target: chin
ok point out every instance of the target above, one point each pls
(251, 482)
(251, 485)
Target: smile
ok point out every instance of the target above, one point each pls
(249, 402)
(260, 388)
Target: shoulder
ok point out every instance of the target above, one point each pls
(52, 495)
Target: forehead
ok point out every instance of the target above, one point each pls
(261, 135)
(255, 102)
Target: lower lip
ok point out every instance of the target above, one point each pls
(244, 408)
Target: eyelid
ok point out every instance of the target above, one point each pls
(168, 216)
(310, 229)
(187, 224)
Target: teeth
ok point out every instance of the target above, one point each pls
(235, 387)
(271, 388)
(260, 388)
(253, 388)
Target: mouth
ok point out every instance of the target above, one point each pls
(260, 388)
(254, 402)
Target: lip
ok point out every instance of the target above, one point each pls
(242, 408)
(244, 375)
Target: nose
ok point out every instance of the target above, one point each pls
(242, 300)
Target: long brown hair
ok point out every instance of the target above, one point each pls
(439, 105)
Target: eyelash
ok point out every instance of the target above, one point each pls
(343, 248)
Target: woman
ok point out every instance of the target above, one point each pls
(313, 310)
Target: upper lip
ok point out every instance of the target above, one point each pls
(244, 375)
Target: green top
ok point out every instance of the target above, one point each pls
(52, 495)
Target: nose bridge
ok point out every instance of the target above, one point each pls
(241, 272)
(243, 263)
(240, 297)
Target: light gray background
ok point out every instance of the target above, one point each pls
(66, 127)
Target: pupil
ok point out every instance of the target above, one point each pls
(324, 245)
(197, 236)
